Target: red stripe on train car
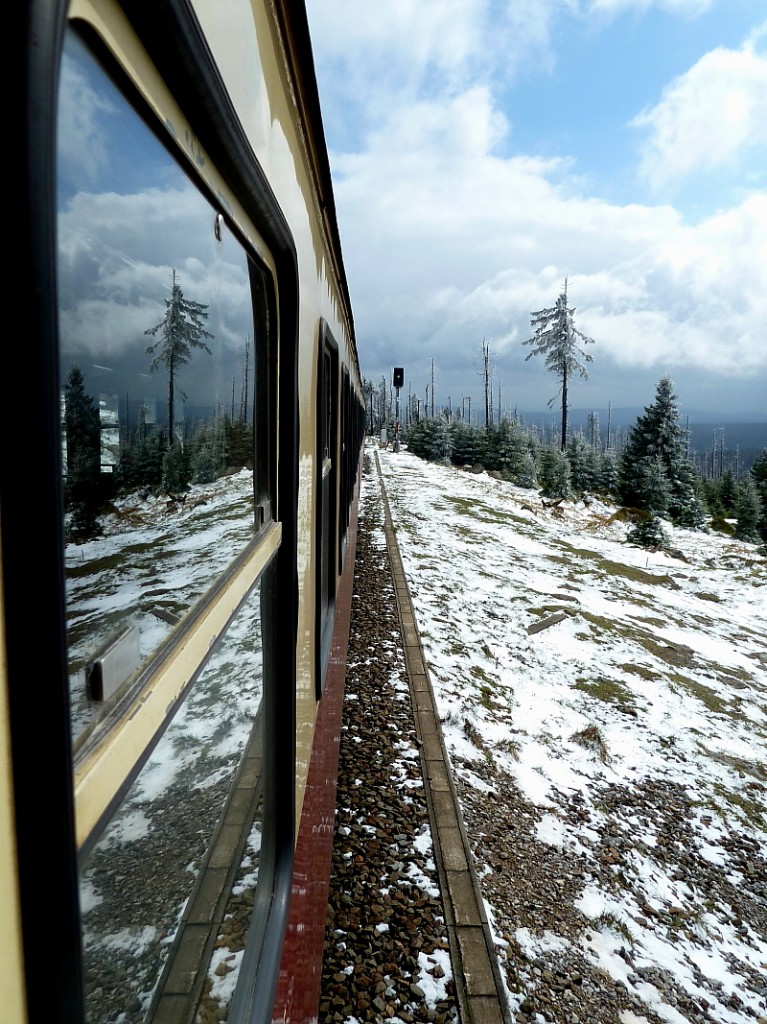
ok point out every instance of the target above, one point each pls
(298, 989)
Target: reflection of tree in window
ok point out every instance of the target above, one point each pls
(83, 470)
(181, 330)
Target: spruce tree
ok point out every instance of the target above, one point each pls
(748, 512)
(554, 473)
(648, 533)
(467, 443)
(429, 439)
(180, 331)
(82, 489)
(582, 465)
(655, 471)
(728, 492)
(759, 476)
(556, 338)
(514, 454)
(608, 479)
(205, 462)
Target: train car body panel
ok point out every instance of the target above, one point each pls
(175, 172)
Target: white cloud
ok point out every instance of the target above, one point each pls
(80, 141)
(691, 8)
(448, 243)
(708, 117)
(449, 240)
(407, 50)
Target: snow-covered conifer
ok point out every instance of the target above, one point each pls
(180, 330)
(554, 473)
(555, 337)
(657, 447)
(748, 512)
(430, 439)
(513, 450)
(648, 533)
(608, 480)
(467, 443)
(759, 475)
(583, 464)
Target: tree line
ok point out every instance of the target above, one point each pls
(563, 348)
(653, 474)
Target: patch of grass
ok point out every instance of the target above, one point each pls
(630, 572)
(752, 808)
(639, 670)
(486, 696)
(479, 673)
(650, 621)
(676, 655)
(511, 747)
(607, 690)
(472, 734)
(602, 623)
(470, 534)
(624, 515)
(591, 738)
(572, 568)
(723, 527)
(102, 565)
(704, 595)
(732, 674)
(615, 924)
(739, 764)
(478, 510)
(708, 697)
(636, 575)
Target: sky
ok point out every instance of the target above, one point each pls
(484, 152)
(644, 661)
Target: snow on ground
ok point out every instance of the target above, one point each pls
(656, 672)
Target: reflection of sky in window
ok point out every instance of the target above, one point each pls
(97, 128)
(128, 217)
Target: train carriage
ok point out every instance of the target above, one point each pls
(178, 518)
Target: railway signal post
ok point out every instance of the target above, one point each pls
(398, 379)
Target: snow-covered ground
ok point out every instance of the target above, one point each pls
(650, 672)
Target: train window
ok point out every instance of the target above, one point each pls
(157, 340)
(167, 360)
(328, 469)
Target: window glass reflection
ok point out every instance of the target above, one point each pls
(155, 876)
(157, 361)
